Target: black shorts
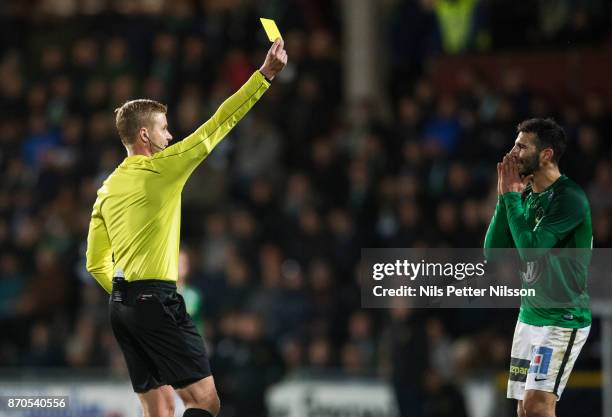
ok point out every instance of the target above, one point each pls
(158, 338)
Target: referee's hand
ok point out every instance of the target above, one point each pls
(276, 59)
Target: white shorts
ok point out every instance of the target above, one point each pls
(542, 358)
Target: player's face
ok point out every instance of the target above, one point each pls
(159, 134)
(526, 153)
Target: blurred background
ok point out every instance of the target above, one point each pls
(383, 131)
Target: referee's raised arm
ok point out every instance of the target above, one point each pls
(181, 159)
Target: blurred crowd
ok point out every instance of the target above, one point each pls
(274, 220)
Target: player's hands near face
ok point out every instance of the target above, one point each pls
(276, 59)
(509, 179)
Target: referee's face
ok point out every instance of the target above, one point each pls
(159, 135)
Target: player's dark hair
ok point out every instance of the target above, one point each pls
(548, 135)
(133, 115)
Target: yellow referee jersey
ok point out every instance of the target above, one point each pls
(136, 219)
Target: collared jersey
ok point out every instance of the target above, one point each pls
(136, 219)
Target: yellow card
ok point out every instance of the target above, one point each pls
(271, 29)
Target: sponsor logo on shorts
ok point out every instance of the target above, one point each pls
(144, 297)
(518, 369)
(540, 362)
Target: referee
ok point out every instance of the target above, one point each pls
(133, 247)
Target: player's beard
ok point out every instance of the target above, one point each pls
(528, 166)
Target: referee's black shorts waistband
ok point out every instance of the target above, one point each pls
(142, 284)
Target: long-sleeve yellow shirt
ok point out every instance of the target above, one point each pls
(136, 219)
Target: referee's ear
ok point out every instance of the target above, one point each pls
(143, 135)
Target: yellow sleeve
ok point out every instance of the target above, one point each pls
(179, 160)
(99, 251)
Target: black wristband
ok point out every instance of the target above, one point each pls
(196, 412)
(268, 80)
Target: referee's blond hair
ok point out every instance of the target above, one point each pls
(133, 115)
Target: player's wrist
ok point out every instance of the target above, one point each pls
(510, 194)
